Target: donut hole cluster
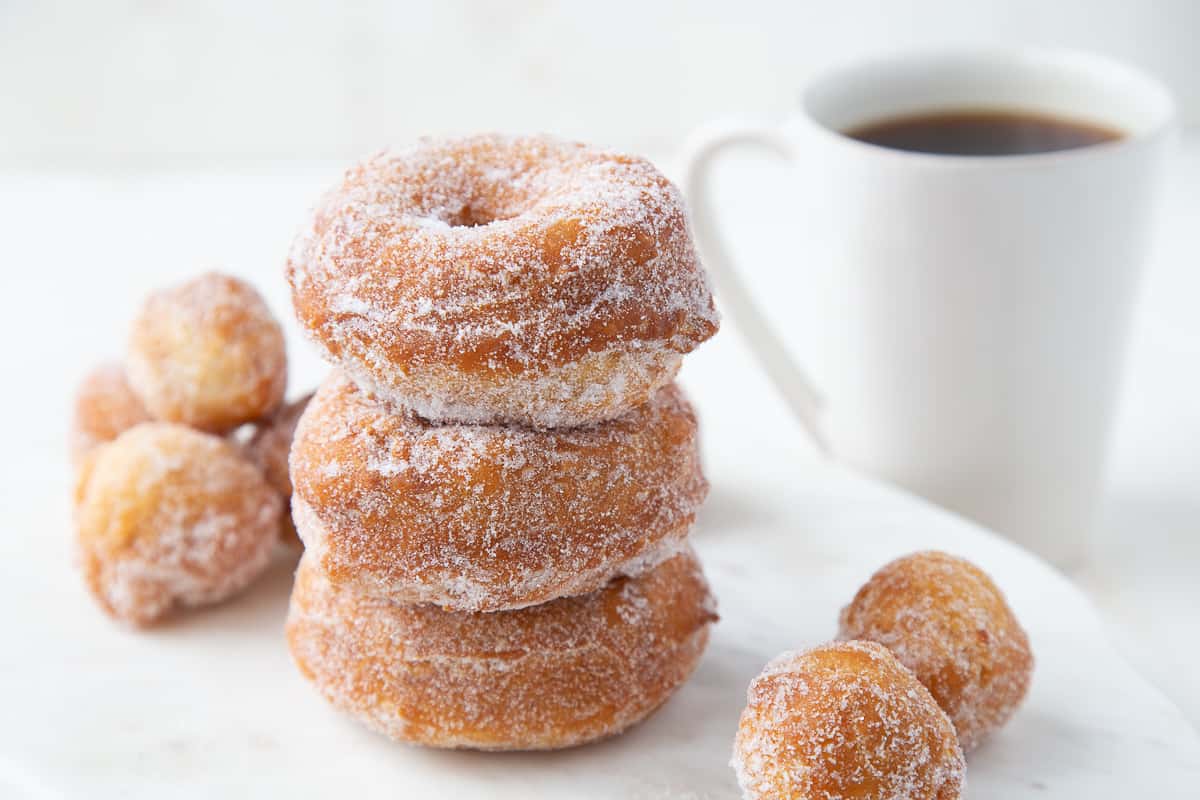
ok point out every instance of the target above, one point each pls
(181, 483)
(930, 661)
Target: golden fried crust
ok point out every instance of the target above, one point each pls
(105, 407)
(845, 720)
(947, 621)
(551, 676)
(208, 354)
(483, 518)
(166, 516)
(269, 448)
(492, 278)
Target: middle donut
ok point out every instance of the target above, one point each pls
(490, 517)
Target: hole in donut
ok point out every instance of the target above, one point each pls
(470, 217)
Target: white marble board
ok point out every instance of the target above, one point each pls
(211, 706)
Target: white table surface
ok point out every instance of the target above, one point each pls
(80, 251)
(210, 706)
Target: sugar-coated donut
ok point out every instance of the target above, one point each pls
(269, 448)
(845, 720)
(503, 279)
(167, 516)
(945, 620)
(207, 353)
(105, 407)
(489, 517)
(550, 676)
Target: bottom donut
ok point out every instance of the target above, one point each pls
(544, 677)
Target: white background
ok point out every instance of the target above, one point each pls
(100, 101)
(87, 84)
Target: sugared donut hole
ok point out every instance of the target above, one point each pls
(167, 516)
(105, 407)
(207, 353)
(845, 719)
(267, 445)
(950, 624)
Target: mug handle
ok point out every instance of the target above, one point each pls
(699, 154)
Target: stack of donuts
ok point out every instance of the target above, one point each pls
(496, 483)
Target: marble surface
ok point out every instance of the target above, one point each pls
(212, 706)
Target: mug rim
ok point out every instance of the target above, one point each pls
(1101, 69)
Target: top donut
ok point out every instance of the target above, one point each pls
(499, 279)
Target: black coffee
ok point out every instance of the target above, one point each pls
(982, 132)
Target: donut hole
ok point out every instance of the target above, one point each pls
(470, 216)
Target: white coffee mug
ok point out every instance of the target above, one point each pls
(973, 310)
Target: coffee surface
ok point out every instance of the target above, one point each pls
(982, 132)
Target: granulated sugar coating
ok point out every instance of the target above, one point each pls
(105, 407)
(945, 620)
(208, 353)
(167, 516)
(845, 720)
(551, 676)
(503, 279)
(482, 518)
